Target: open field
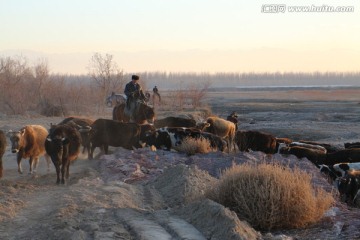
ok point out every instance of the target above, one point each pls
(140, 194)
(329, 115)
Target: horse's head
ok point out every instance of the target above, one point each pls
(144, 113)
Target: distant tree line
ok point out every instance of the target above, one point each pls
(30, 87)
(228, 79)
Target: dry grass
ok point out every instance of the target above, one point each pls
(270, 196)
(192, 146)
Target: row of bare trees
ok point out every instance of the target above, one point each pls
(30, 88)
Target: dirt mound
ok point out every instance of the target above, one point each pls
(182, 184)
(215, 221)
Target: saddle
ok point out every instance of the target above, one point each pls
(132, 107)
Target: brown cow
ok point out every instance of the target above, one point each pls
(2, 150)
(106, 132)
(329, 148)
(78, 123)
(63, 146)
(143, 114)
(29, 143)
(255, 141)
(222, 128)
(317, 157)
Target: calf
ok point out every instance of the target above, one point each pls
(215, 141)
(28, 142)
(63, 146)
(106, 132)
(174, 122)
(255, 141)
(2, 150)
(221, 127)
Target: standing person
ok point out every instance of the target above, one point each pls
(156, 92)
(133, 91)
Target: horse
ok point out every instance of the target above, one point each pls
(142, 113)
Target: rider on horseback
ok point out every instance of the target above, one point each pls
(134, 94)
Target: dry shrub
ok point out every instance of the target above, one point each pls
(191, 146)
(271, 196)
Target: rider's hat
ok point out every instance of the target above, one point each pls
(134, 77)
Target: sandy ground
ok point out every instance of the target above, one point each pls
(142, 194)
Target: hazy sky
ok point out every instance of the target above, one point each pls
(183, 35)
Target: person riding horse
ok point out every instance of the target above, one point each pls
(134, 94)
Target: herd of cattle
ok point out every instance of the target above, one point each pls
(62, 142)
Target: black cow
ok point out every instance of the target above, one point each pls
(349, 186)
(233, 117)
(106, 132)
(345, 155)
(171, 137)
(146, 130)
(174, 122)
(352, 145)
(63, 146)
(330, 172)
(255, 141)
(2, 150)
(78, 123)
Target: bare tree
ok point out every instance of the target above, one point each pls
(41, 77)
(106, 75)
(197, 92)
(14, 73)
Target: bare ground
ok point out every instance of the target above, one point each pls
(142, 194)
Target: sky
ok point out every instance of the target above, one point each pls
(182, 36)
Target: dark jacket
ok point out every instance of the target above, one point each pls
(132, 88)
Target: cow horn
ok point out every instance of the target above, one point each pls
(22, 132)
(10, 133)
(85, 129)
(48, 139)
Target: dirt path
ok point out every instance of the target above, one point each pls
(85, 208)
